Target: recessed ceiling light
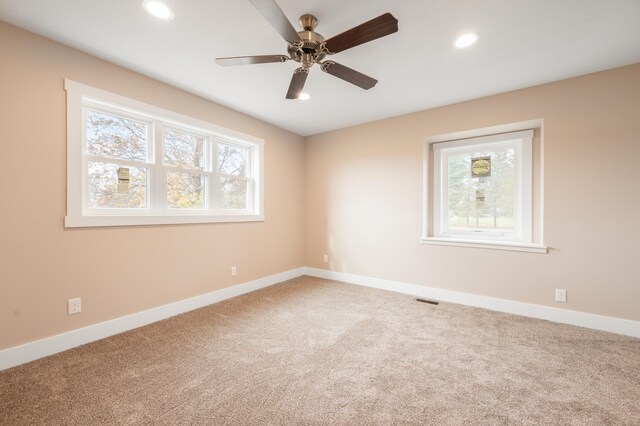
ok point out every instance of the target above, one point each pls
(304, 96)
(466, 40)
(158, 9)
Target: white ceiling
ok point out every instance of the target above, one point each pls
(522, 43)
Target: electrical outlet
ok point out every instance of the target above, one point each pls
(561, 295)
(234, 271)
(325, 258)
(74, 306)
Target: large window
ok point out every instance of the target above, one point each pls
(130, 164)
(481, 190)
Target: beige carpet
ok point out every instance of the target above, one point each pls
(313, 352)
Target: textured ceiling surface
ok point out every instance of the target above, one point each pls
(522, 43)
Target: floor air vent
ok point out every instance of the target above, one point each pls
(431, 302)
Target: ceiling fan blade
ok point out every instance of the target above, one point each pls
(297, 83)
(378, 27)
(349, 75)
(274, 15)
(249, 60)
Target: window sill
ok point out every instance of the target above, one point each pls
(492, 245)
(100, 221)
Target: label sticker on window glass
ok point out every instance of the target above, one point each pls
(480, 167)
(123, 180)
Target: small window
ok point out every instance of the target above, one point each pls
(480, 191)
(131, 163)
(482, 188)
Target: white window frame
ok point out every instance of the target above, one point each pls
(520, 142)
(81, 97)
(438, 148)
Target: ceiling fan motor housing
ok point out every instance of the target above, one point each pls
(308, 51)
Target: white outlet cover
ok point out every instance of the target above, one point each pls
(561, 295)
(74, 306)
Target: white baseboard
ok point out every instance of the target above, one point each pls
(61, 342)
(17, 355)
(565, 316)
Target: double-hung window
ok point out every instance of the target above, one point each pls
(131, 163)
(481, 191)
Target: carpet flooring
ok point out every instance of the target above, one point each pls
(318, 352)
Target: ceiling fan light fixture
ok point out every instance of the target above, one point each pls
(304, 96)
(466, 40)
(158, 9)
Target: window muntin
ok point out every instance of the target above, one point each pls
(131, 163)
(493, 207)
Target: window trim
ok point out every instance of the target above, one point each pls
(76, 215)
(429, 192)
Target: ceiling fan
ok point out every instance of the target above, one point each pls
(308, 47)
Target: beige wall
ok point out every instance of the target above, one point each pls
(360, 188)
(116, 271)
(364, 198)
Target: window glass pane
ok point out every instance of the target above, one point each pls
(186, 190)
(233, 193)
(116, 137)
(184, 150)
(105, 192)
(232, 159)
(486, 202)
